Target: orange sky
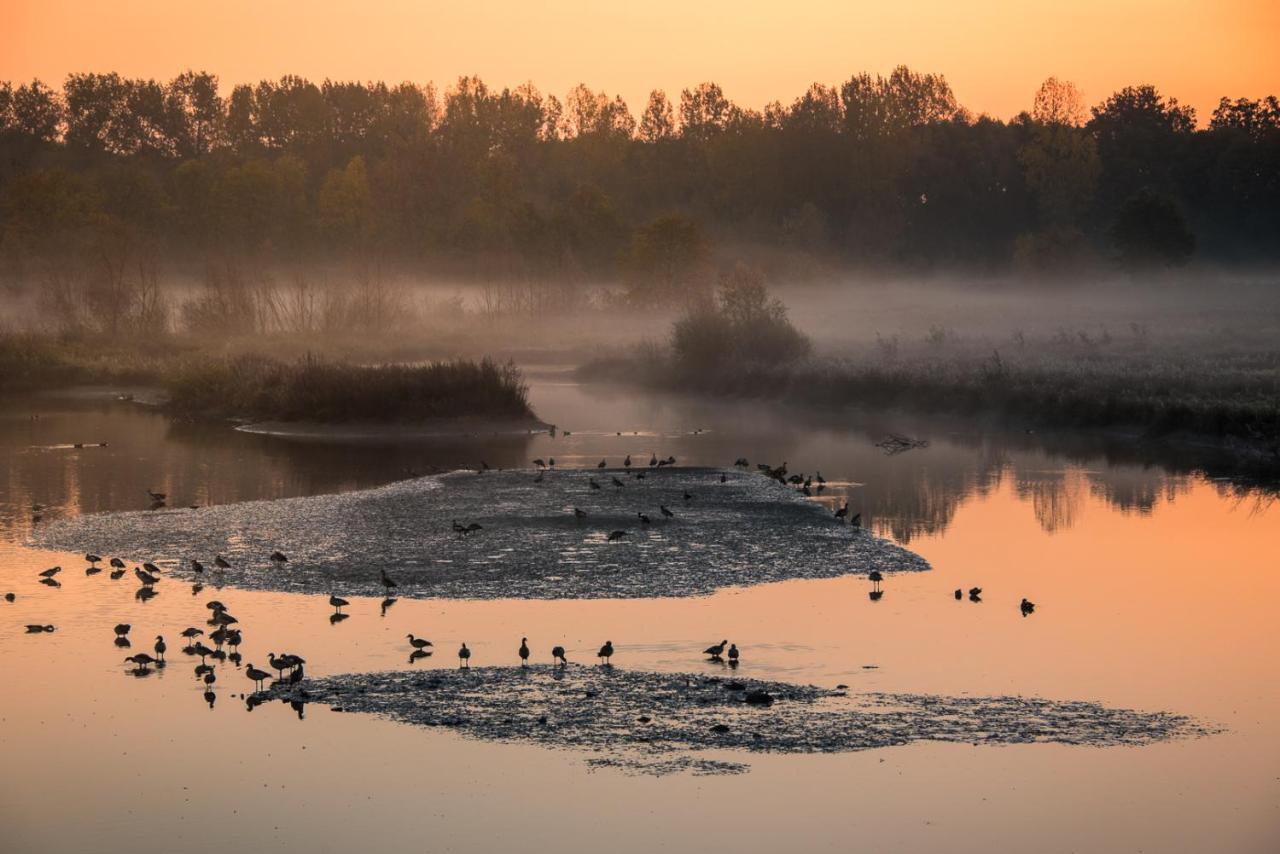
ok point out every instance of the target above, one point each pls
(994, 52)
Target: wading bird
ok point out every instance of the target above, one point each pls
(337, 603)
(716, 650)
(557, 654)
(387, 582)
(606, 653)
(524, 651)
(733, 655)
(464, 657)
(160, 647)
(418, 643)
(665, 512)
(258, 676)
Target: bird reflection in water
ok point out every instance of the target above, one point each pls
(387, 603)
(336, 618)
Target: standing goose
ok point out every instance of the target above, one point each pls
(337, 603)
(51, 572)
(627, 462)
(716, 650)
(160, 647)
(145, 577)
(524, 650)
(557, 654)
(843, 511)
(418, 643)
(606, 653)
(464, 657)
(142, 660)
(258, 676)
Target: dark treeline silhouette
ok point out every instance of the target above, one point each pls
(880, 172)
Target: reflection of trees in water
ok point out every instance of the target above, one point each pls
(1056, 496)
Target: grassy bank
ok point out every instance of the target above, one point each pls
(314, 390)
(1230, 396)
(199, 383)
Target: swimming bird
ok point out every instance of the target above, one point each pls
(35, 629)
(122, 629)
(279, 557)
(1027, 607)
(418, 643)
(160, 647)
(959, 593)
(616, 535)
(688, 497)
(733, 655)
(9, 597)
(557, 653)
(458, 529)
(258, 676)
(387, 581)
(221, 562)
(117, 563)
(337, 603)
(145, 577)
(665, 512)
(51, 572)
(524, 651)
(716, 650)
(606, 652)
(464, 656)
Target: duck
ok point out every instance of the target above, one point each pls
(733, 654)
(716, 650)
(418, 643)
(145, 577)
(557, 654)
(524, 651)
(122, 629)
(606, 652)
(464, 656)
(160, 647)
(337, 603)
(35, 628)
(142, 660)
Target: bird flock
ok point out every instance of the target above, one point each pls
(226, 635)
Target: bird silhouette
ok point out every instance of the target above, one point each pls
(464, 657)
(606, 652)
(337, 603)
(557, 654)
(616, 535)
(716, 650)
(418, 643)
(524, 652)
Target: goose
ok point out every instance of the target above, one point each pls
(600, 464)
(875, 577)
(822, 481)
(975, 594)
(293, 661)
(484, 466)
(92, 570)
(386, 580)
(616, 482)
(418, 654)
(716, 650)
(616, 535)
(151, 568)
(665, 512)
(145, 577)
(627, 462)
(279, 557)
(843, 511)
(580, 514)
(524, 651)
(606, 652)
(653, 460)
(202, 669)
(215, 605)
(473, 527)
(540, 463)
(142, 660)
(279, 665)
(258, 676)
(1027, 607)
(117, 563)
(551, 462)
(221, 562)
(959, 594)
(724, 478)
(160, 647)
(557, 654)
(35, 629)
(733, 654)
(219, 637)
(639, 475)
(203, 651)
(92, 558)
(197, 567)
(122, 629)
(418, 643)
(297, 675)
(222, 618)
(644, 520)
(233, 639)
(856, 521)
(741, 462)
(145, 593)
(51, 572)
(464, 656)
(337, 603)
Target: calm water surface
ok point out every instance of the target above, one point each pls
(1157, 590)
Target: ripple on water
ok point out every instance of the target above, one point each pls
(747, 530)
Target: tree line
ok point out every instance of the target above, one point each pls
(879, 171)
